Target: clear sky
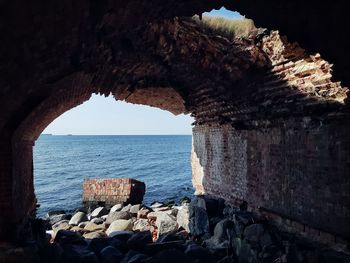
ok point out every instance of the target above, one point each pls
(223, 12)
(106, 116)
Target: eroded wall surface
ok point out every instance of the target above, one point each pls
(298, 171)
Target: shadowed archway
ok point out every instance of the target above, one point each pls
(138, 52)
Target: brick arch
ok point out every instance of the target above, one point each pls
(271, 94)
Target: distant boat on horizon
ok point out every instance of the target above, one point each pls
(47, 134)
(69, 134)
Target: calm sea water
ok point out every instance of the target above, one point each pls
(62, 162)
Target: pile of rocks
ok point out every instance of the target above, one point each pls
(159, 219)
(204, 230)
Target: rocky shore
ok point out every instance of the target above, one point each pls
(202, 230)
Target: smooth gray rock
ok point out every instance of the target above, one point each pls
(166, 224)
(110, 255)
(116, 208)
(78, 218)
(116, 216)
(119, 225)
(99, 211)
(134, 209)
(126, 208)
(183, 217)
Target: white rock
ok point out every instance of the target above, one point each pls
(126, 208)
(166, 224)
(116, 208)
(99, 211)
(77, 218)
(183, 217)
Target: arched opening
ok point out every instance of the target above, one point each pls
(105, 138)
(271, 119)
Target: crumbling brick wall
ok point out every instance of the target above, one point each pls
(297, 171)
(113, 191)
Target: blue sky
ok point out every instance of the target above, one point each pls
(223, 12)
(106, 116)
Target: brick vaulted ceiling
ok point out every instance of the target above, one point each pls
(55, 54)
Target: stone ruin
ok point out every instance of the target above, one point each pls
(108, 192)
(271, 114)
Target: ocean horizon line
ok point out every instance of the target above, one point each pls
(180, 134)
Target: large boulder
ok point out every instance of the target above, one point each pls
(166, 224)
(78, 218)
(116, 216)
(119, 225)
(99, 211)
(199, 221)
(183, 217)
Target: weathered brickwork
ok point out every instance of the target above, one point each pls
(54, 56)
(113, 191)
(297, 172)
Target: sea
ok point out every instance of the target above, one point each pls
(61, 163)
